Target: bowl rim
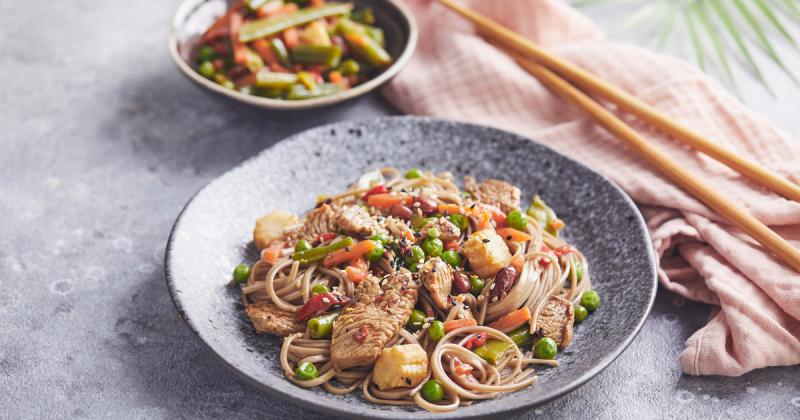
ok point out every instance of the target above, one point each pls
(320, 407)
(408, 49)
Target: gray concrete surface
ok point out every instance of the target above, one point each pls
(101, 144)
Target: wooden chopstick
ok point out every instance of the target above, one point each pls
(628, 103)
(660, 160)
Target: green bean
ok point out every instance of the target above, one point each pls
(271, 80)
(279, 51)
(320, 327)
(521, 336)
(297, 92)
(376, 34)
(493, 351)
(349, 67)
(206, 69)
(206, 53)
(272, 25)
(362, 45)
(317, 54)
(320, 252)
(365, 15)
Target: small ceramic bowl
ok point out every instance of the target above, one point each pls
(195, 16)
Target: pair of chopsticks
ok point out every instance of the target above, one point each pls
(564, 78)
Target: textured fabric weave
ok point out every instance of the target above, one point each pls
(455, 74)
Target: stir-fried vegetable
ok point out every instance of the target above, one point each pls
(591, 300)
(241, 273)
(512, 320)
(476, 285)
(580, 313)
(270, 26)
(320, 304)
(436, 330)
(451, 257)
(319, 289)
(416, 319)
(320, 252)
(455, 324)
(306, 371)
(545, 348)
(432, 391)
(321, 327)
(521, 336)
(349, 253)
(493, 351)
(546, 217)
(292, 50)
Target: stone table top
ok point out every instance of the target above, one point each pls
(103, 142)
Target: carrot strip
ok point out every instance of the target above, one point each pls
(512, 321)
(484, 220)
(511, 234)
(291, 37)
(355, 274)
(451, 245)
(239, 49)
(458, 323)
(262, 48)
(349, 253)
(450, 209)
(272, 252)
(385, 201)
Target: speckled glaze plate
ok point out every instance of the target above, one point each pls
(213, 234)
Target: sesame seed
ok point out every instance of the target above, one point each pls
(495, 299)
(326, 300)
(416, 204)
(347, 249)
(492, 286)
(508, 238)
(426, 325)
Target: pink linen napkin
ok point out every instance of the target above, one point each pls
(455, 74)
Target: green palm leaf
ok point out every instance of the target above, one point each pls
(736, 30)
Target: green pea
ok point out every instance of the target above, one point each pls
(319, 289)
(476, 285)
(302, 245)
(591, 300)
(432, 232)
(241, 273)
(206, 69)
(376, 254)
(417, 256)
(436, 330)
(451, 257)
(517, 220)
(413, 174)
(382, 237)
(580, 313)
(306, 371)
(545, 348)
(432, 391)
(416, 319)
(459, 220)
(206, 53)
(349, 67)
(432, 247)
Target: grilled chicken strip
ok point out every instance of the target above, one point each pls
(382, 308)
(268, 318)
(556, 320)
(494, 192)
(437, 276)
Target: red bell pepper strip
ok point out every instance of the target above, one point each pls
(320, 304)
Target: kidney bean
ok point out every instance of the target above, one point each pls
(401, 211)
(427, 205)
(461, 282)
(504, 280)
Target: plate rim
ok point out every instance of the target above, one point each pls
(320, 407)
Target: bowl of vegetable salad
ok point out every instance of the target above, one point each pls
(292, 54)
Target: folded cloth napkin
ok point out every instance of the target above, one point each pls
(456, 74)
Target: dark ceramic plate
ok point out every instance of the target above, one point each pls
(213, 234)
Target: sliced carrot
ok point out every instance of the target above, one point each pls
(272, 252)
(262, 48)
(450, 209)
(335, 77)
(385, 201)
(349, 253)
(355, 274)
(511, 234)
(484, 220)
(451, 245)
(517, 262)
(557, 224)
(317, 3)
(220, 27)
(275, 8)
(359, 262)
(239, 49)
(458, 323)
(291, 37)
(512, 321)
